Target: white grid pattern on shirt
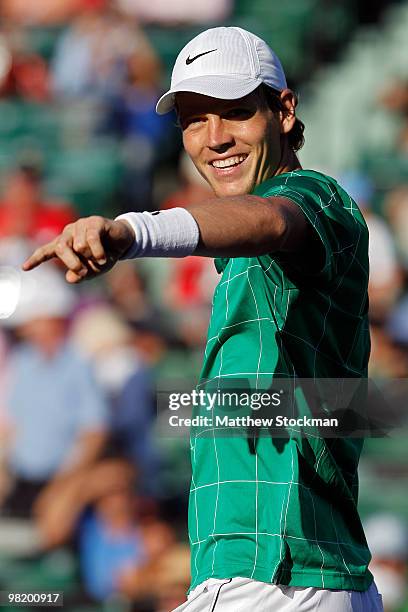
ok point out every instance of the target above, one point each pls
(215, 445)
(218, 483)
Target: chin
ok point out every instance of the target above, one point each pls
(231, 189)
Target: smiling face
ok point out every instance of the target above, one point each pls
(235, 144)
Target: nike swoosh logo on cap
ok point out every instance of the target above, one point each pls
(190, 60)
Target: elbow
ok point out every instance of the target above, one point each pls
(275, 230)
(288, 227)
(282, 231)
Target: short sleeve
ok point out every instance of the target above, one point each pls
(338, 227)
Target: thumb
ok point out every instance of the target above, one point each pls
(119, 236)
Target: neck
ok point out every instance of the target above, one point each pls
(289, 160)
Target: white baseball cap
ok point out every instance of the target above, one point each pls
(43, 294)
(227, 63)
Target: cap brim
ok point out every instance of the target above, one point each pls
(215, 86)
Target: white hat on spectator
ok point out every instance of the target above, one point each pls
(44, 293)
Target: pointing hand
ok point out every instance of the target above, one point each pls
(87, 248)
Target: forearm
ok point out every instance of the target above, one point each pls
(241, 226)
(86, 451)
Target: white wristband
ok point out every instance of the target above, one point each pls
(162, 233)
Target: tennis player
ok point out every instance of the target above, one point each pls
(272, 525)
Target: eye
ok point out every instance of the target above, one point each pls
(191, 121)
(238, 113)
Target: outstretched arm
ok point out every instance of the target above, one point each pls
(241, 226)
(246, 226)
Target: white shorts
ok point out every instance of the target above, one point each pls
(244, 594)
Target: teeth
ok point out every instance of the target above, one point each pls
(231, 161)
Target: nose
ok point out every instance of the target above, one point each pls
(219, 138)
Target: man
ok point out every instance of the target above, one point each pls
(26, 212)
(273, 525)
(56, 413)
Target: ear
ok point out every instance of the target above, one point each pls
(288, 116)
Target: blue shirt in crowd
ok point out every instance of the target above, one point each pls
(51, 402)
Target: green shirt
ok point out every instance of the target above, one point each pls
(286, 513)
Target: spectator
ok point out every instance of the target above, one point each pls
(56, 413)
(104, 553)
(120, 539)
(91, 54)
(108, 59)
(131, 116)
(131, 429)
(101, 334)
(110, 540)
(173, 578)
(385, 273)
(127, 288)
(26, 213)
(23, 73)
(103, 337)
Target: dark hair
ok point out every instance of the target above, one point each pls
(32, 173)
(295, 136)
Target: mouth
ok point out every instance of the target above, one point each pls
(228, 163)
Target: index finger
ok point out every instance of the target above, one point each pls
(43, 253)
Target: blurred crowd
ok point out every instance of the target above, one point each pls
(80, 461)
(88, 491)
(92, 499)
